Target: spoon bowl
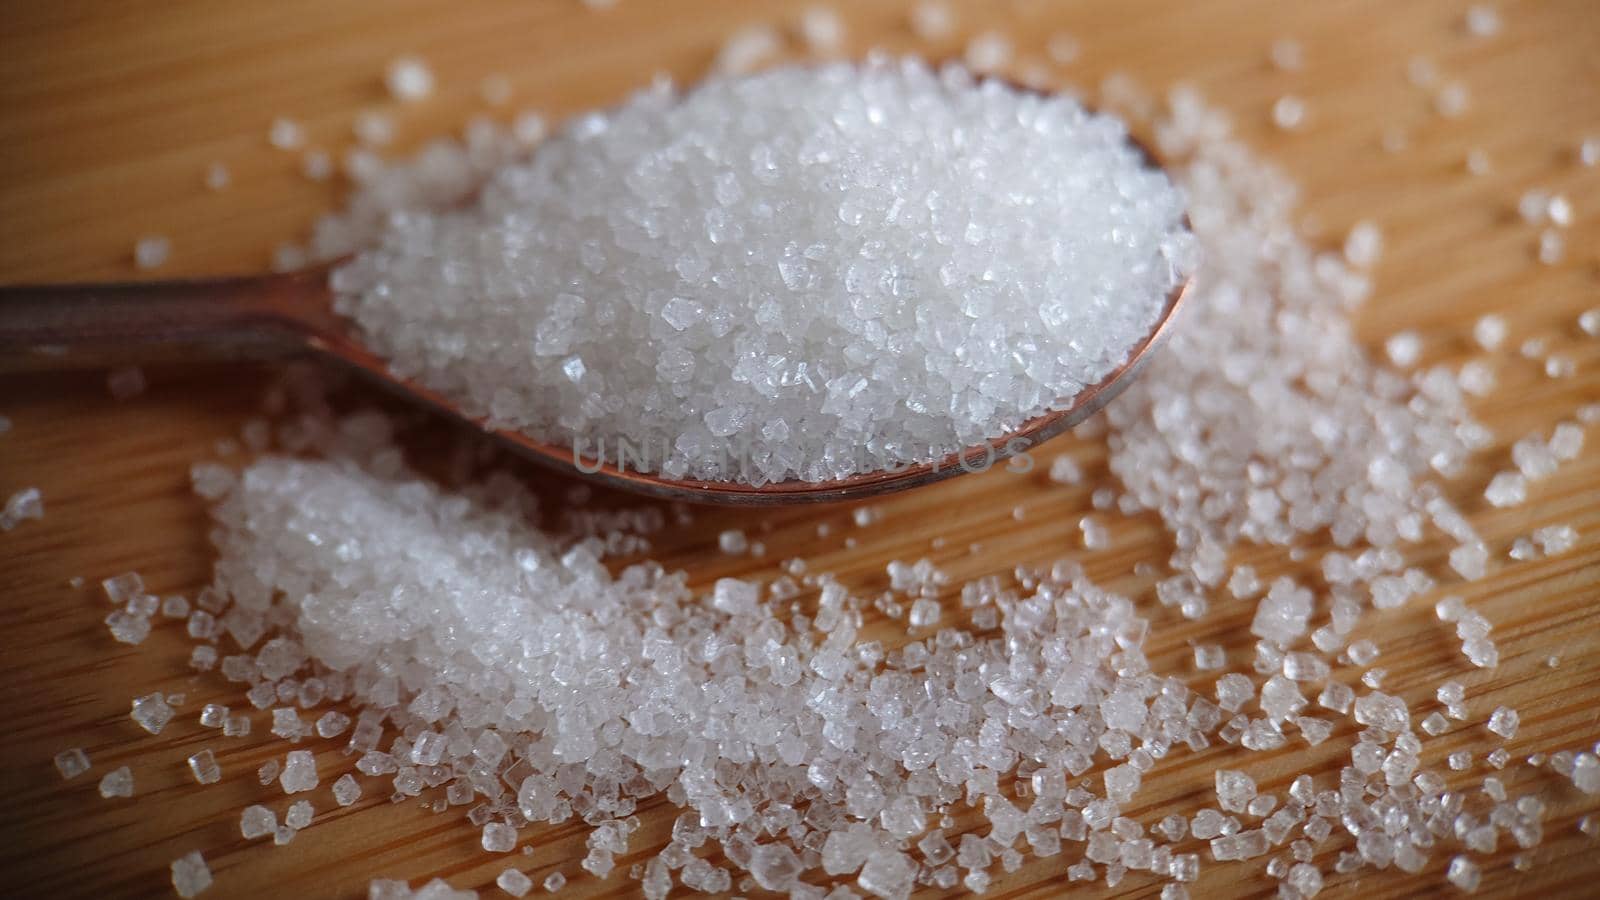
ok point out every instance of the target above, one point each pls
(79, 325)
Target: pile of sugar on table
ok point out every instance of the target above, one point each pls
(475, 661)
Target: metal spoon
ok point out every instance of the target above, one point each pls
(52, 326)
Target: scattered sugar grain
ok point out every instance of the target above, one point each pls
(21, 506)
(217, 177)
(71, 763)
(1482, 20)
(822, 29)
(1288, 112)
(203, 766)
(408, 79)
(933, 20)
(117, 783)
(190, 874)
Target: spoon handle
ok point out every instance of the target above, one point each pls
(76, 325)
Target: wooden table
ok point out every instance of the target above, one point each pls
(109, 114)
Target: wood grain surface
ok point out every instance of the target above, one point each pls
(110, 111)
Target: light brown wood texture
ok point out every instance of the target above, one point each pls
(109, 113)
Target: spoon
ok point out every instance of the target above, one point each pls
(57, 326)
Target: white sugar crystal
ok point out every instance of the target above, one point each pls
(257, 822)
(498, 837)
(1463, 873)
(1452, 100)
(1489, 331)
(1209, 657)
(21, 506)
(1287, 54)
(989, 51)
(214, 715)
(1064, 470)
(332, 724)
(1552, 247)
(217, 176)
(317, 165)
(286, 134)
(346, 790)
(152, 712)
(887, 874)
(71, 763)
(299, 815)
(1288, 112)
(1470, 560)
(1403, 349)
(1503, 721)
(374, 128)
(190, 874)
(1282, 615)
(924, 613)
(1234, 790)
(203, 766)
(1483, 20)
(1566, 442)
(408, 79)
(555, 881)
(117, 783)
(821, 29)
(834, 151)
(1460, 760)
(299, 772)
(1506, 489)
(514, 882)
(1362, 248)
(1589, 322)
(1554, 540)
(152, 251)
(746, 49)
(933, 20)
(733, 542)
(1063, 48)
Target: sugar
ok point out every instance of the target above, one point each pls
(346, 790)
(1288, 112)
(924, 613)
(190, 874)
(257, 822)
(299, 815)
(1482, 20)
(1554, 540)
(71, 763)
(117, 783)
(498, 837)
(214, 715)
(932, 20)
(1403, 349)
(1489, 331)
(286, 134)
(514, 882)
(752, 361)
(408, 79)
(1503, 722)
(1287, 54)
(733, 542)
(1506, 489)
(1234, 790)
(1209, 657)
(822, 29)
(152, 251)
(217, 176)
(203, 766)
(21, 506)
(1463, 873)
(747, 49)
(152, 712)
(553, 882)
(299, 772)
